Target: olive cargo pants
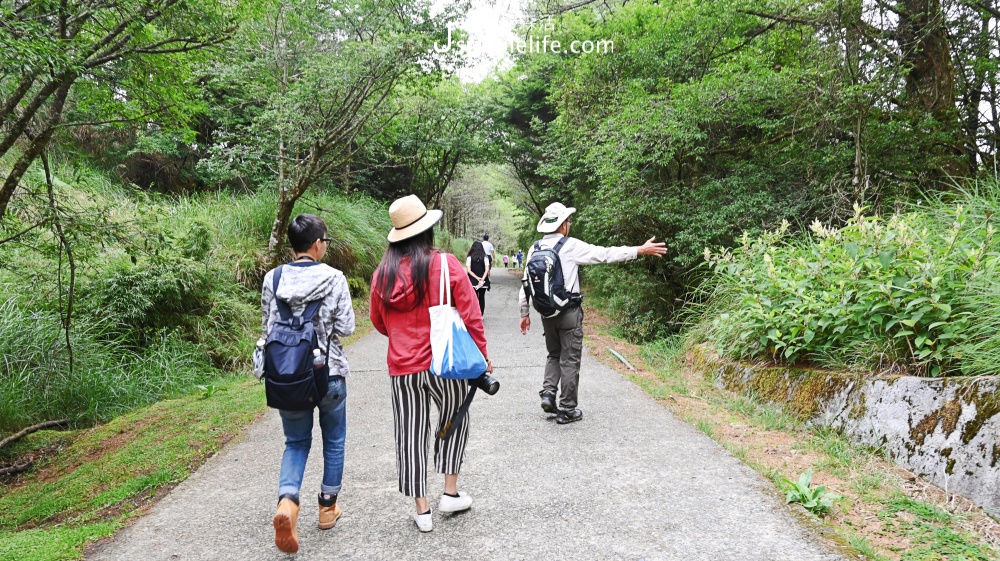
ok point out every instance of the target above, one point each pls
(564, 342)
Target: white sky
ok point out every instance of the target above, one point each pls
(490, 24)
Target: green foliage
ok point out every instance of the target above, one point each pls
(166, 295)
(928, 526)
(816, 499)
(103, 477)
(877, 293)
(210, 390)
(638, 314)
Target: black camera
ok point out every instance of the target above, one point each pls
(487, 383)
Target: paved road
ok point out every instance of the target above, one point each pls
(630, 481)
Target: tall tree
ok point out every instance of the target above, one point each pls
(310, 83)
(48, 46)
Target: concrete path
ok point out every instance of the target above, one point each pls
(628, 482)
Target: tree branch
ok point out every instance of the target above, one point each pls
(33, 428)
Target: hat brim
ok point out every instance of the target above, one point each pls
(549, 227)
(426, 223)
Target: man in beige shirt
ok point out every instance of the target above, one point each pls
(564, 329)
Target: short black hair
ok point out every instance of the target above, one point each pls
(304, 230)
(486, 236)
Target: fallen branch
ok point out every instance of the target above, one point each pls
(29, 430)
(15, 469)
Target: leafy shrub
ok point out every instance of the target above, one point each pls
(815, 499)
(637, 301)
(146, 298)
(877, 293)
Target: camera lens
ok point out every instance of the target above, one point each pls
(486, 383)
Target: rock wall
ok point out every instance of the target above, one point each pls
(946, 430)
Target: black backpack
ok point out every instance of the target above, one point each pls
(291, 381)
(543, 281)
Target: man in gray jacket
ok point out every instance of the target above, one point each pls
(306, 280)
(564, 330)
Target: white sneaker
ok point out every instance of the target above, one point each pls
(455, 504)
(424, 522)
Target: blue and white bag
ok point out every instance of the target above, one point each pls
(454, 355)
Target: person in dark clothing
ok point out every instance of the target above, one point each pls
(477, 265)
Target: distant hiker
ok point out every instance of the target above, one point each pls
(520, 256)
(478, 268)
(559, 258)
(306, 286)
(404, 286)
(488, 248)
(506, 261)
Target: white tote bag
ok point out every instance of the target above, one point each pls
(454, 355)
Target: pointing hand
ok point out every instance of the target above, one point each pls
(658, 249)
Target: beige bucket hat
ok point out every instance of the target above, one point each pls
(410, 217)
(555, 215)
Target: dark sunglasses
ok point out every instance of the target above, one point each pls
(327, 240)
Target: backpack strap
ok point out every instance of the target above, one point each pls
(284, 312)
(559, 244)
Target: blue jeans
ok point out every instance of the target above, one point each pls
(298, 438)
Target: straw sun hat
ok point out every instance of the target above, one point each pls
(410, 217)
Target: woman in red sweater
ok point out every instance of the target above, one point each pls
(400, 297)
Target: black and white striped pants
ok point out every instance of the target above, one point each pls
(411, 409)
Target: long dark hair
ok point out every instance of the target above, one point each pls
(420, 249)
(476, 252)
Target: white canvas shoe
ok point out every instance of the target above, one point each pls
(455, 504)
(424, 522)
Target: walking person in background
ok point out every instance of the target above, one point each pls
(520, 256)
(478, 268)
(489, 249)
(563, 329)
(302, 282)
(506, 261)
(400, 297)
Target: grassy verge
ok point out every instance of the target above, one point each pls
(884, 513)
(88, 484)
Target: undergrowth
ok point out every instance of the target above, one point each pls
(166, 291)
(914, 292)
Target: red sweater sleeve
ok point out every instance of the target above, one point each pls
(375, 309)
(465, 300)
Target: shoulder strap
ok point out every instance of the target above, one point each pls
(538, 245)
(284, 312)
(444, 286)
(559, 245)
(310, 312)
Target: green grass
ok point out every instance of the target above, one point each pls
(863, 546)
(770, 416)
(840, 454)
(932, 531)
(167, 292)
(705, 427)
(90, 489)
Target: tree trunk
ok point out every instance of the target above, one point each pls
(930, 81)
(975, 94)
(276, 244)
(37, 146)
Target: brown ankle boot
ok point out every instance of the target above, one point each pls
(286, 536)
(329, 512)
